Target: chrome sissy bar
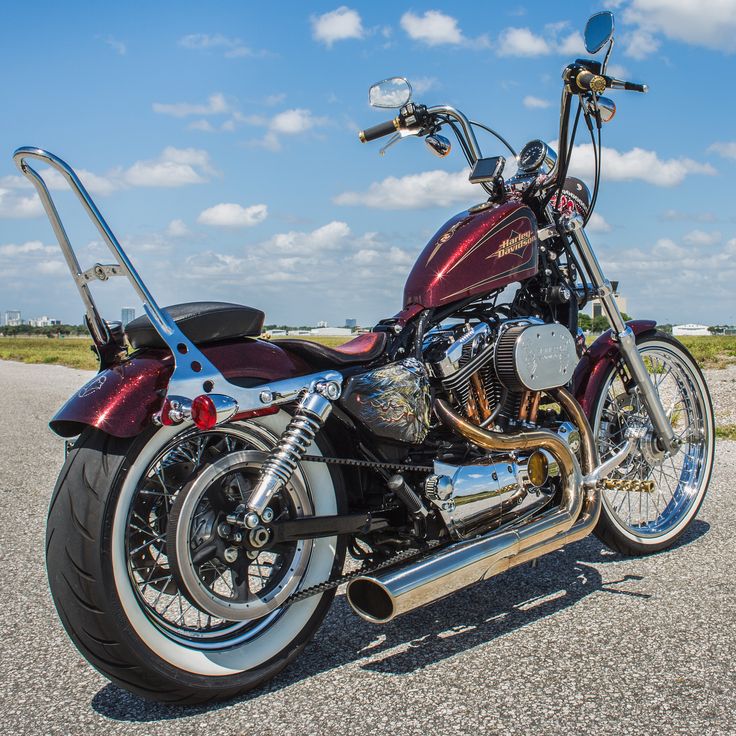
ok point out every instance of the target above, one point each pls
(194, 375)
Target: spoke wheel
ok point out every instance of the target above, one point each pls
(638, 521)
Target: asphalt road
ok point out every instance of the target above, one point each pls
(587, 643)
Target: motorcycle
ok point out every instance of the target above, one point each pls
(216, 481)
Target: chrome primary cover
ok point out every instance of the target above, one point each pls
(474, 498)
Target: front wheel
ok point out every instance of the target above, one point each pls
(118, 594)
(652, 498)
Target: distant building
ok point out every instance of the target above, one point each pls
(595, 307)
(690, 330)
(13, 318)
(44, 322)
(127, 314)
(351, 323)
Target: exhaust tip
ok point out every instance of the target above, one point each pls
(370, 600)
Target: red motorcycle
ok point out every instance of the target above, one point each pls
(200, 525)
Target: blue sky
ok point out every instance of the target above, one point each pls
(219, 140)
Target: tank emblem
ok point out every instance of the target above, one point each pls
(514, 243)
(445, 237)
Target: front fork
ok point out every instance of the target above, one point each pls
(625, 337)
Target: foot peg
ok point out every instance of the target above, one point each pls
(629, 486)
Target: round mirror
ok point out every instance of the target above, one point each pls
(393, 92)
(598, 31)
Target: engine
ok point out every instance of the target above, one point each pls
(488, 372)
(494, 375)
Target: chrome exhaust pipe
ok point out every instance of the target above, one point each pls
(380, 598)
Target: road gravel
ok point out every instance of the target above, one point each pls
(589, 642)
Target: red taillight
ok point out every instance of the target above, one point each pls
(204, 412)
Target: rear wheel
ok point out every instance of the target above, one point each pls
(654, 497)
(117, 592)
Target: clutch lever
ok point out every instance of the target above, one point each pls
(394, 139)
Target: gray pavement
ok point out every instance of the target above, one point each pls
(588, 643)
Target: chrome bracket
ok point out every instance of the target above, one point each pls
(101, 271)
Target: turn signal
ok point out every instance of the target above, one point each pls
(537, 469)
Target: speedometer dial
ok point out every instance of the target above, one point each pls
(534, 155)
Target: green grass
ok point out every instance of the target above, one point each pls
(710, 352)
(717, 351)
(726, 431)
(73, 352)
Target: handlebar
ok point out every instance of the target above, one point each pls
(581, 79)
(379, 131)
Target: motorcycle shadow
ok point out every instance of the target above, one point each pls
(470, 618)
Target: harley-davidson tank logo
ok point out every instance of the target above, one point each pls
(515, 242)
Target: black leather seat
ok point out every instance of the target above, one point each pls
(362, 349)
(201, 322)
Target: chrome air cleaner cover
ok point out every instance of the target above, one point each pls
(535, 357)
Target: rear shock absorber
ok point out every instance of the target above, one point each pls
(311, 414)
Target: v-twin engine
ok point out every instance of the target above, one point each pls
(491, 374)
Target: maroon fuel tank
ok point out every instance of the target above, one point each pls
(121, 400)
(484, 248)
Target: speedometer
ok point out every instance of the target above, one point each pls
(534, 155)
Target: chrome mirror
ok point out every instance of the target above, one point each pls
(598, 31)
(392, 92)
(438, 144)
(604, 106)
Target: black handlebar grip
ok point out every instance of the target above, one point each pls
(378, 131)
(588, 81)
(633, 87)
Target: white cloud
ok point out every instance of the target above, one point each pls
(709, 23)
(701, 239)
(521, 42)
(205, 126)
(175, 167)
(31, 246)
(726, 150)
(572, 45)
(291, 122)
(598, 224)
(420, 85)
(288, 268)
(662, 278)
(233, 215)
(435, 28)
(637, 163)
(337, 25)
(639, 44)
(536, 103)
(117, 46)
(216, 105)
(176, 229)
(233, 48)
(416, 191)
(287, 122)
(19, 206)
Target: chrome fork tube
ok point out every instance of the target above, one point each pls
(625, 338)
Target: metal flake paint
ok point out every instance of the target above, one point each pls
(594, 365)
(474, 253)
(121, 400)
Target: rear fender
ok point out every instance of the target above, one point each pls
(593, 366)
(122, 399)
